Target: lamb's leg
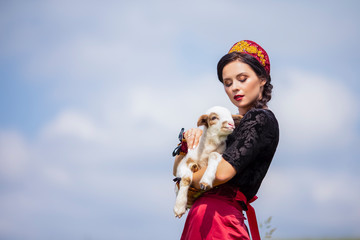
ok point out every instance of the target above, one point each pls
(194, 167)
(181, 199)
(185, 173)
(209, 175)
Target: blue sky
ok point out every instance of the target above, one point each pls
(93, 94)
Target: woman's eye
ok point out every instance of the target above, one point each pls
(243, 79)
(227, 83)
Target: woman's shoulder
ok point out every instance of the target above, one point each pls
(260, 116)
(258, 120)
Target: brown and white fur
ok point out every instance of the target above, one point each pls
(218, 124)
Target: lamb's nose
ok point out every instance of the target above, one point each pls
(231, 125)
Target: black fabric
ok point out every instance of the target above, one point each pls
(250, 149)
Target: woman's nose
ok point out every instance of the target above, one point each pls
(236, 86)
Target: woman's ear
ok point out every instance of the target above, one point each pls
(203, 121)
(262, 82)
(237, 119)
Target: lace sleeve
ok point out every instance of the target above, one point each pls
(252, 137)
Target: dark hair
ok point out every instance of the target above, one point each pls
(256, 67)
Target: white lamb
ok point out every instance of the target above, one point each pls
(218, 124)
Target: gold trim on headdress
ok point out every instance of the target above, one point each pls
(245, 47)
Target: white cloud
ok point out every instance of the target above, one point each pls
(171, 107)
(14, 154)
(72, 124)
(318, 186)
(57, 175)
(312, 198)
(121, 62)
(314, 110)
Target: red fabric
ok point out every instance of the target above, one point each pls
(184, 147)
(250, 213)
(266, 64)
(217, 214)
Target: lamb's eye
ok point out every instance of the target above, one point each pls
(213, 118)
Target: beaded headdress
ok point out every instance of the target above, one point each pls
(253, 49)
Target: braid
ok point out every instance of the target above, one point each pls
(266, 94)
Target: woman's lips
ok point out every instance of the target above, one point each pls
(238, 97)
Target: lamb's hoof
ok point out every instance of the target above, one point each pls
(204, 186)
(179, 211)
(194, 167)
(178, 216)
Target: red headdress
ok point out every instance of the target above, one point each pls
(253, 49)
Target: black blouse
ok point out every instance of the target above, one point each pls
(250, 149)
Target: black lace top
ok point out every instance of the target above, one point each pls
(250, 149)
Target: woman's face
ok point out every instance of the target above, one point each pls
(242, 85)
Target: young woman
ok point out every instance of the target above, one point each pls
(218, 213)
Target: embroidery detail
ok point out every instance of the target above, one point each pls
(250, 149)
(253, 49)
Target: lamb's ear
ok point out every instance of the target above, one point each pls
(237, 119)
(203, 120)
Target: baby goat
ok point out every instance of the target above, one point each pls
(218, 124)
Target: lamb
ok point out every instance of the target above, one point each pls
(218, 124)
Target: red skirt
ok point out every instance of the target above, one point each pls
(216, 215)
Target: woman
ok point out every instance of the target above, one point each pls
(217, 213)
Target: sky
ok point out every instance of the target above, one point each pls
(93, 95)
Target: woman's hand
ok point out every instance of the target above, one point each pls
(192, 137)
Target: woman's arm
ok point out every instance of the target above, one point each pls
(224, 172)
